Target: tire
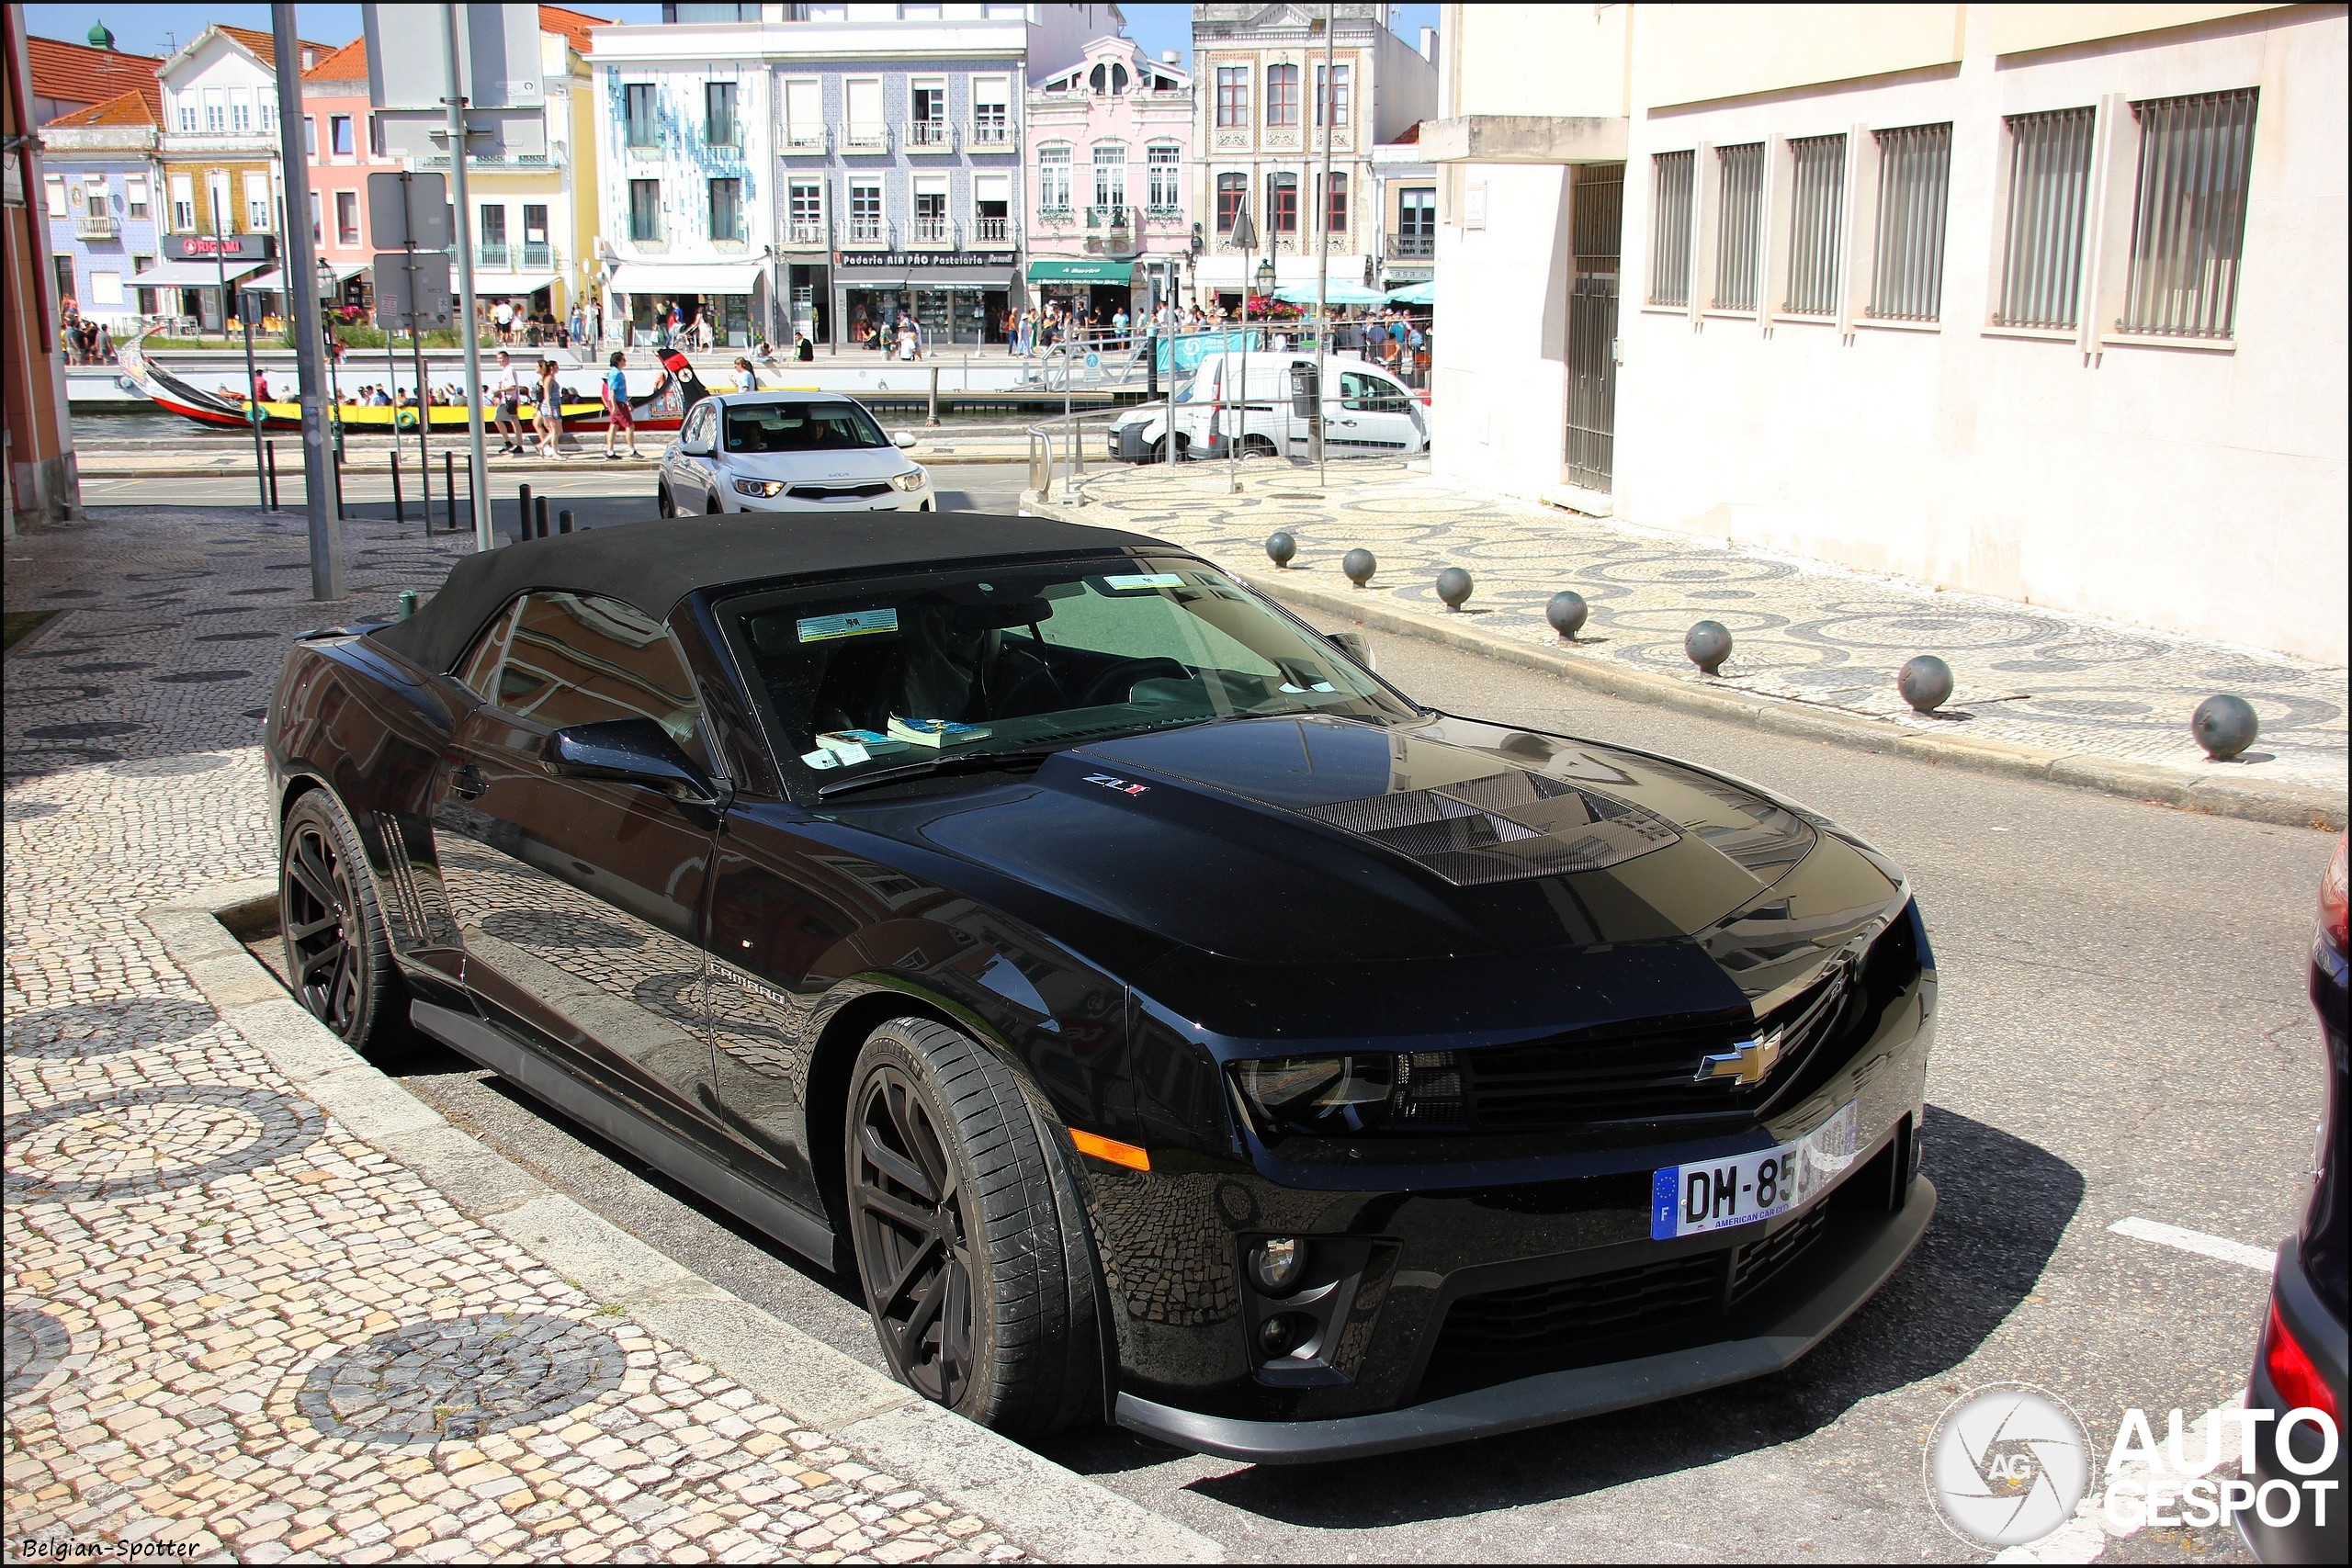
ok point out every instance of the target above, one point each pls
(662, 507)
(711, 507)
(971, 1249)
(1159, 451)
(338, 961)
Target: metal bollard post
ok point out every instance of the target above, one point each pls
(931, 415)
(399, 515)
(270, 450)
(563, 521)
(449, 486)
(540, 517)
(523, 512)
(337, 471)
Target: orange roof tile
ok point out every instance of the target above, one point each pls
(264, 45)
(572, 25)
(348, 63)
(76, 73)
(141, 105)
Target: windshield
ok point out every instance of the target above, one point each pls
(801, 427)
(1020, 659)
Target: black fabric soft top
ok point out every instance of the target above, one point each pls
(653, 565)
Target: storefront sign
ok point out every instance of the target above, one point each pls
(226, 247)
(901, 261)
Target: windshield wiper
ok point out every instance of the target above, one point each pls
(947, 762)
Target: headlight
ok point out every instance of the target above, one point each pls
(769, 488)
(912, 479)
(1360, 1092)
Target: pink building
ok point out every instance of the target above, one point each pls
(1110, 187)
(338, 132)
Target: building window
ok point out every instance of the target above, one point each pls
(1334, 92)
(1233, 95)
(1282, 94)
(1670, 176)
(62, 270)
(215, 110)
(1110, 174)
(805, 211)
(804, 113)
(991, 112)
(1107, 79)
(1335, 205)
(54, 186)
(375, 136)
(637, 107)
(241, 110)
(931, 226)
(268, 110)
(257, 204)
(719, 126)
(1817, 200)
(1164, 167)
(1417, 222)
(339, 139)
(644, 209)
(346, 218)
(310, 136)
(134, 196)
(187, 116)
(865, 123)
(318, 229)
(490, 238)
(1053, 178)
(1739, 223)
(2189, 221)
(927, 115)
(1231, 192)
(2041, 252)
(866, 224)
(1282, 204)
(727, 210)
(1914, 173)
(183, 204)
(537, 253)
(992, 208)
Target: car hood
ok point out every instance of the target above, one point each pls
(854, 466)
(1328, 842)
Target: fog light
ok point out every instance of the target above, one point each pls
(1278, 1264)
(1282, 1333)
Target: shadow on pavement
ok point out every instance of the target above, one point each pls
(2004, 1204)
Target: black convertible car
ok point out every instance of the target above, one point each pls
(1160, 1015)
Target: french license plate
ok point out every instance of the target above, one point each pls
(1713, 1195)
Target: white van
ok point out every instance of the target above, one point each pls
(1366, 410)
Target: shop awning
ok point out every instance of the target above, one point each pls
(1079, 269)
(274, 280)
(187, 275)
(499, 286)
(1339, 292)
(678, 278)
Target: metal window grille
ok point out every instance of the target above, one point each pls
(1739, 225)
(2189, 228)
(1817, 202)
(1914, 173)
(2050, 178)
(1670, 175)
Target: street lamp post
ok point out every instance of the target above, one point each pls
(326, 346)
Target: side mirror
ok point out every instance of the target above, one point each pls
(694, 447)
(903, 439)
(629, 750)
(1353, 645)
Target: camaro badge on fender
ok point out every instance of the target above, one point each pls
(1122, 785)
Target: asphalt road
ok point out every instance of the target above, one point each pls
(2124, 1033)
(598, 493)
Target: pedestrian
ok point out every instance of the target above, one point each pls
(261, 386)
(579, 325)
(548, 418)
(506, 390)
(909, 349)
(746, 378)
(618, 416)
(1119, 328)
(803, 350)
(502, 317)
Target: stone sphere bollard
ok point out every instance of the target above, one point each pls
(1709, 644)
(1566, 610)
(1453, 586)
(1925, 682)
(2225, 726)
(1281, 548)
(1359, 565)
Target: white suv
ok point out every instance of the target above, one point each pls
(788, 452)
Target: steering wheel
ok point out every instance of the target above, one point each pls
(1122, 677)
(1009, 702)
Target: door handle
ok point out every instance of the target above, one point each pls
(468, 781)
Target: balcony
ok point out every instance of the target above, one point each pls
(1055, 215)
(993, 232)
(97, 227)
(1109, 218)
(1163, 212)
(930, 136)
(537, 255)
(934, 232)
(807, 235)
(805, 139)
(995, 133)
(872, 234)
(1411, 247)
(866, 139)
(493, 254)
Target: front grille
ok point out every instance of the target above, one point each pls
(1535, 1319)
(838, 492)
(1755, 1265)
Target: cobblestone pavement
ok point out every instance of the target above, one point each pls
(2022, 674)
(230, 1322)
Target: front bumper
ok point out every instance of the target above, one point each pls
(1841, 1280)
(923, 499)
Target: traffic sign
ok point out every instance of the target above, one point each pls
(410, 209)
(413, 287)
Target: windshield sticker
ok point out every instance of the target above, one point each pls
(1153, 580)
(821, 758)
(855, 623)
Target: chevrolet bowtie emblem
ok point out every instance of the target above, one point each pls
(1748, 1061)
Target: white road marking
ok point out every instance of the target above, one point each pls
(2088, 1534)
(2204, 1245)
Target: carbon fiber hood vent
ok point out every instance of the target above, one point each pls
(1501, 828)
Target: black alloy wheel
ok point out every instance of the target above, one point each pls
(337, 961)
(972, 1243)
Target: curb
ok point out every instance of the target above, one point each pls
(2282, 804)
(1038, 1505)
(293, 467)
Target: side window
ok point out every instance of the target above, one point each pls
(699, 428)
(1357, 390)
(575, 658)
(479, 666)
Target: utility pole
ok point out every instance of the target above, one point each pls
(478, 463)
(1331, 118)
(297, 270)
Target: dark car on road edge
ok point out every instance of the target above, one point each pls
(1160, 1016)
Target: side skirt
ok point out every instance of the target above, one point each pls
(659, 1147)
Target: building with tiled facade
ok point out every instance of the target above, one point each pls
(1260, 137)
(1109, 171)
(99, 185)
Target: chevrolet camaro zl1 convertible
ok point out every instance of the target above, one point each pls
(1160, 1016)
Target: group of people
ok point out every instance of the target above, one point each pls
(86, 341)
(900, 338)
(512, 324)
(507, 392)
(1036, 329)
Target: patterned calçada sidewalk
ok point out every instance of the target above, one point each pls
(1805, 634)
(234, 1327)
